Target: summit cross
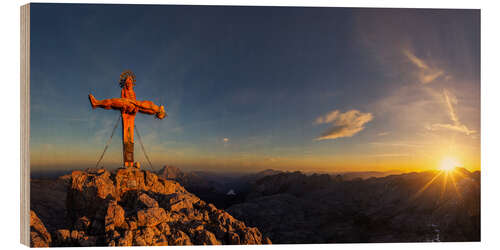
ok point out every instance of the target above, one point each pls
(128, 106)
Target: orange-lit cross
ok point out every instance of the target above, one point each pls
(129, 106)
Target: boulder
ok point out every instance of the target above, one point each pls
(205, 237)
(151, 217)
(115, 216)
(179, 238)
(89, 193)
(146, 201)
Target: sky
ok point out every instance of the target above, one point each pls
(253, 88)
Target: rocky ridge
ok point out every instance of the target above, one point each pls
(294, 208)
(134, 207)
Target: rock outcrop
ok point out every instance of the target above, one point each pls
(39, 235)
(131, 207)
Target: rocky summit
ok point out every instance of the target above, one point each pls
(132, 207)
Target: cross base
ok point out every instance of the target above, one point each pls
(128, 152)
(132, 165)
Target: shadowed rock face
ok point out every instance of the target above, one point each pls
(134, 207)
(221, 189)
(295, 208)
(48, 199)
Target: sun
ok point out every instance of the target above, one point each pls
(449, 163)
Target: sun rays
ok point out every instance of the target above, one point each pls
(447, 170)
(426, 186)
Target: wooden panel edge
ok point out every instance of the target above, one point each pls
(25, 124)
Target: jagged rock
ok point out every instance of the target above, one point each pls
(151, 217)
(39, 237)
(135, 207)
(148, 234)
(179, 238)
(83, 223)
(204, 237)
(139, 241)
(177, 202)
(132, 224)
(62, 237)
(127, 239)
(75, 235)
(251, 236)
(147, 201)
(65, 238)
(89, 193)
(115, 216)
(233, 238)
(164, 228)
(161, 241)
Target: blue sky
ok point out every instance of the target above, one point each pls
(249, 88)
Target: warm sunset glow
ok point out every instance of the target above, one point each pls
(424, 106)
(449, 163)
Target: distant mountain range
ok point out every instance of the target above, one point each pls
(371, 206)
(412, 207)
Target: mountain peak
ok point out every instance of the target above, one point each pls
(130, 206)
(170, 172)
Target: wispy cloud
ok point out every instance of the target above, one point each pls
(459, 128)
(450, 101)
(383, 133)
(343, 124)
(426, 74)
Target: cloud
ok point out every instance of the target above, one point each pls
(426, 74)
(383, 133)
(450, 101)
(415, 60)
(343, 124)
(458, 128)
